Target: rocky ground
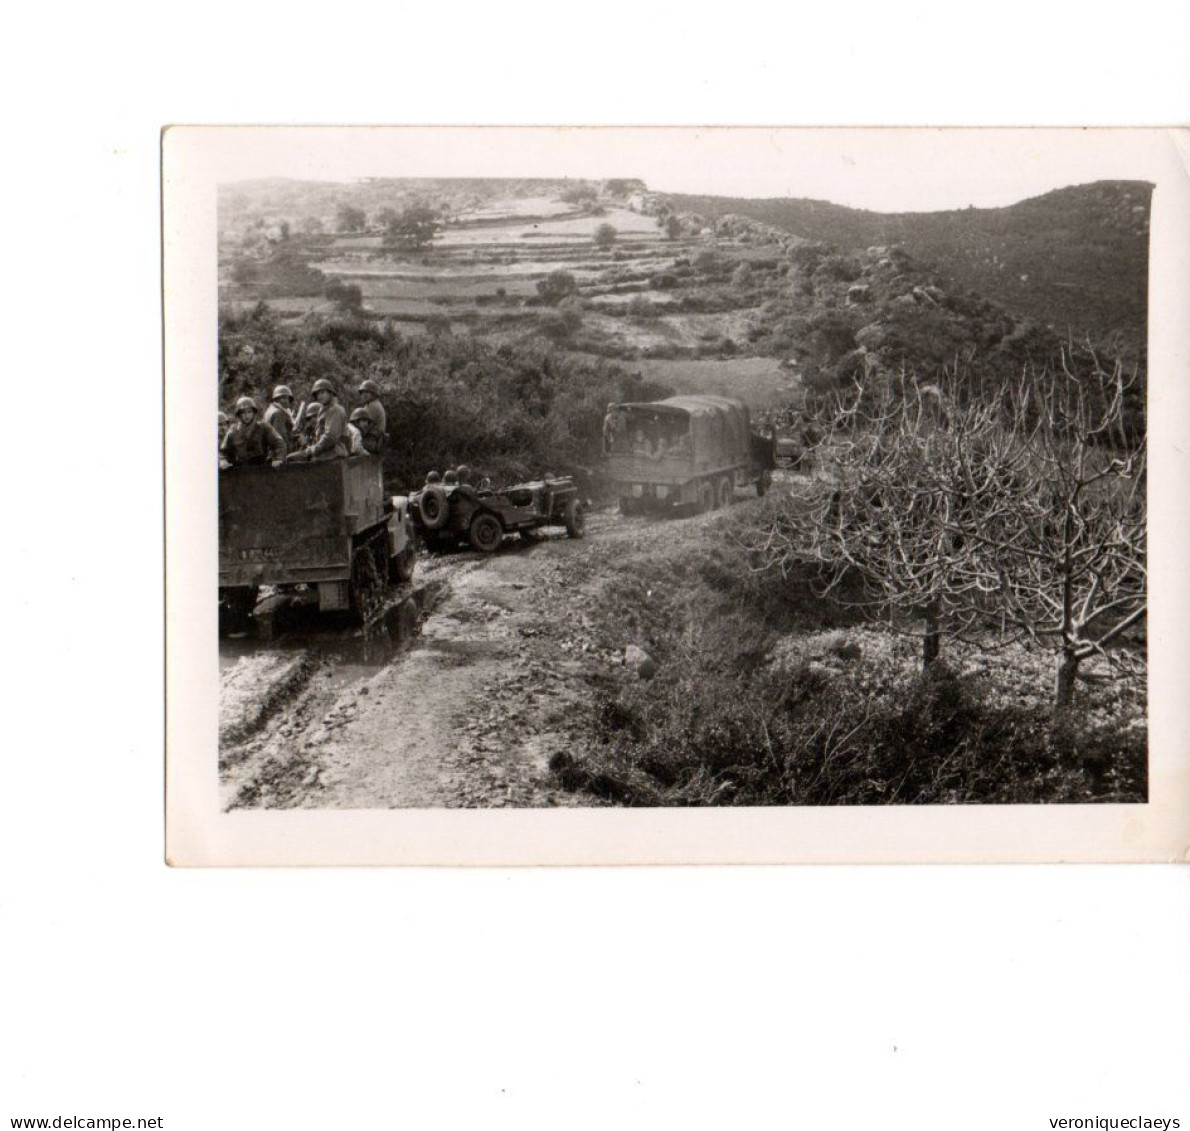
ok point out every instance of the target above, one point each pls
(466, 713)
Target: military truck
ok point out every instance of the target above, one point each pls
(684, 451)
(326, 526)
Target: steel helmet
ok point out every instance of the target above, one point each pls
(282, 391)
(322, 385)
(360, 414)
(245, 403)
(223, 418)
(433, 477)
(463, 472)
(312, 410)
(370, 387)
(450, 478)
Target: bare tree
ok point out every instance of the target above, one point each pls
(989, 511)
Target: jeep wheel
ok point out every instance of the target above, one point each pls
(576, 519)
(706, 496)
(434, 507)
(486, 533)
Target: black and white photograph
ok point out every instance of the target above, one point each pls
(723, 486)
(618, 568)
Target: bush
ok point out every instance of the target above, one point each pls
(346, 296)
(556, 286)
(562, 323)
(837, 269)
(741, 277)
(641, 307)
(720, 725)
(450, 399)
(605, 236)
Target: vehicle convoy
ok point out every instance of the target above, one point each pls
(446, 514)
(323, 525)
(684, 451)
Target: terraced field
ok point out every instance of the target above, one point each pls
(480, 275)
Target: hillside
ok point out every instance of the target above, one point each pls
(1075, 259)
(733, 304)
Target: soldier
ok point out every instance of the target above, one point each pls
(369, 395)
(450, 479)
(331, 439)
(432, 477)
(250, 441)
(279, 416)
(308, 432)
(222, 431)
(370, 439)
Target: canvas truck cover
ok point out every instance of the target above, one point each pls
(296, 522)
(718, 428)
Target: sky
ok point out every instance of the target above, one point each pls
(889, 170)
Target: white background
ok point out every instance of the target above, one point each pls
(780, 997)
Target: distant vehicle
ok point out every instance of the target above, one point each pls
(684, 451)
(790, 451)
(445, 515)
(324, 525)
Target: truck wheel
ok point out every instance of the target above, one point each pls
(487, 533)
(576, 519)
(401, 567)
(706, 496)
(366, 591)
(723, 491)
(764, 483)
(434, 507)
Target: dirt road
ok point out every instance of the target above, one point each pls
(465, 712)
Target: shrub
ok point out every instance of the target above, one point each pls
(346, 296)
(641, 307)
(452, 398)
(605, 236)
(562, 323)
(556, 286)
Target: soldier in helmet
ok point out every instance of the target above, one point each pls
(369, 395)
(308, 425)
(279, 416)
(223, 423)
(331, 439)
(249, 441)
(465, 494)
(432, 477)
(367, 437)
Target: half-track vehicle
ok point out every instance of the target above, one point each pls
(327, 526)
